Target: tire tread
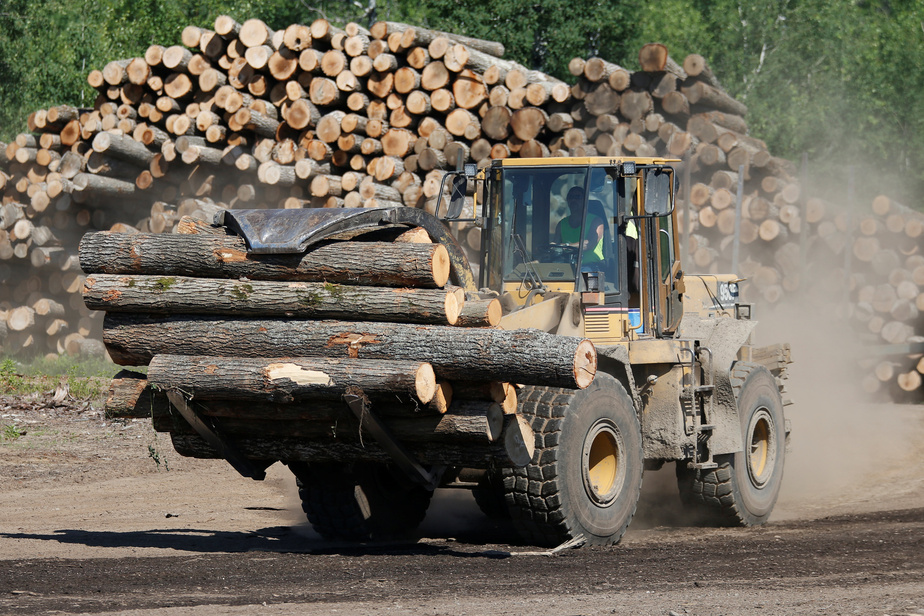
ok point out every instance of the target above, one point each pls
(712, 491)
(330, 503)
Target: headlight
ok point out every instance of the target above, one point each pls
(728, 294)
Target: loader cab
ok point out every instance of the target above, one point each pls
(602, 228)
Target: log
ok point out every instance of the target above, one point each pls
(480, 313)
(695, 66)
(435, 75)
(290, 379)
(601, 99)
(131, 395)
(21, 319)
(476, 420)
(653, 57)
(398, 142)
(700, 93)
(420, 37)
(504, 394)
(103, 190)
(730, 121)
(519, 356)
(372, 263)
(598, 69)
(909, 381)
(124, 148)
(302, 113)
(254, 33)
(635, 104)
(528, 123)
(469, 90)
(323, 300)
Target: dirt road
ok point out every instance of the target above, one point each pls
(93, 522)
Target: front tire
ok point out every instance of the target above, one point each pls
(744, 488)
(586, 475)
(362, 503)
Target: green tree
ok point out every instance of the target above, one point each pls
(840, 81)
(543, 34)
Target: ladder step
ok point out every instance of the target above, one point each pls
(705, 389)
(706, 428)
(703, 466)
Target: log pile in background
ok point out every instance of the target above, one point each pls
(241, 116)
(251, 342)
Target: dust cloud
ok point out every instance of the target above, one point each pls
(846, 453)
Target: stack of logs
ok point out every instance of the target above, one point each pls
(886, 280)
(242, 116)
(253, 342)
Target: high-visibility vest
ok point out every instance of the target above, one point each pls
(631, 229)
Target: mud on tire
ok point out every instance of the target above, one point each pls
(743, 489)
(586, 475)
(362, 503)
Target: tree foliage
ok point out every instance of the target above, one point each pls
(840, 81)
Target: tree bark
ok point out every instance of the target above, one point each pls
(124, 148)
(225, 256)
(520, 356)
(165, 295)
(290, 379)
(702, 93)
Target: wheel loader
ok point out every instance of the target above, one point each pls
(581, 249)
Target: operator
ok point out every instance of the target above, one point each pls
(568, 230)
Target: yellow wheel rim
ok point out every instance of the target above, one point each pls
(761, 443)
(603, 468)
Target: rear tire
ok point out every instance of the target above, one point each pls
(363, 503)
(744, 488)
(586, 475)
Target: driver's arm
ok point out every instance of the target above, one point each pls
(598, 231)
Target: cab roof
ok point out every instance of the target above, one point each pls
(582, 161)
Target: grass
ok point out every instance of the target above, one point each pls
(11, 433)
(85, 378)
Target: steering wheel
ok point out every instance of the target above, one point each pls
(562, 253)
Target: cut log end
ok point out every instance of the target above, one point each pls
(425, 383)
(494, 313)
(441, 266)
(453, 308)
(585, 364)
(519, 440)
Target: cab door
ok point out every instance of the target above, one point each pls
(670, 277)
(661, 241)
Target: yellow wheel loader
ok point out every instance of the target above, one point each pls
(609, 359)
(678, 378)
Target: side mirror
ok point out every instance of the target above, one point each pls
(658, 192)
(457, 188)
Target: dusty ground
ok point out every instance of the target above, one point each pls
(92, 521)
